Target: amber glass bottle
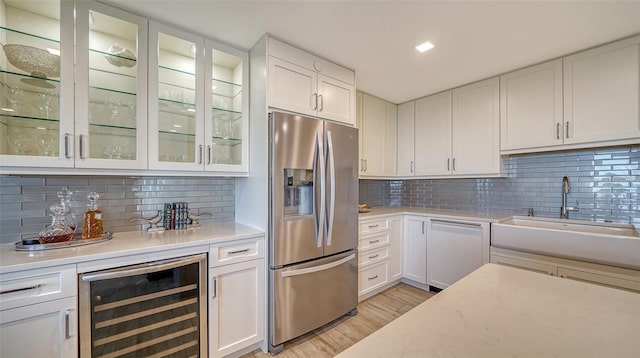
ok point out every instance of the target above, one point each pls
(92, 223)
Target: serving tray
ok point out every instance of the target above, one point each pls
(76, 241)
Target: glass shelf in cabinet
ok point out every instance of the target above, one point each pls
(226, 141)
(227, 113)
(225, 88)
(29, 34)
(18, 83)
(111, 90)
(107, 127)
(122, 61)
(173, 132)
(175, 107)
(120, 74)
(176, 70)
(16, 120)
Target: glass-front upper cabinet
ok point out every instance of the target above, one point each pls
(198, 103)
(111, 83)
(175, 99)
(36, 83)
(226, 108)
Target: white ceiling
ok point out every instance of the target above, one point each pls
(473, 39)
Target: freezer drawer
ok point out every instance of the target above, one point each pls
(309, 295)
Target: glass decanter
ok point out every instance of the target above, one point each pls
(92, 223)
(65, 196)
(58, 231)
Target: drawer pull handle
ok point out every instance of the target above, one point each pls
(373, 226)
(374, 256)
(373, 241)
(373, 278)
(215, 287)
(238, 251)
(21, 289)
(69, 327)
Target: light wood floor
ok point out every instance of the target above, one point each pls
(373, 313)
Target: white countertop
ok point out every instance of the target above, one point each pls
(499, 311)
(122, 244)
(461, 215)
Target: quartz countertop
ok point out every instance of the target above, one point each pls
(499, 311)
(459, 214)
(124, 243)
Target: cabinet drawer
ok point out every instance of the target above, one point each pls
(236, 251)
(373, 226)
(374, 255)
(373, 277)
(34, 286)
(374, 240)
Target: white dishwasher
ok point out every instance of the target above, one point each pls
(455, 248)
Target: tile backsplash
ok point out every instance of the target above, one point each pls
(605, 185)
(24, 200)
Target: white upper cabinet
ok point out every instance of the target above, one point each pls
(531, 107)
(453, 133)
(306, 84)
(99, 100)
(601, 90)
(583, 100)
(84, 105)
(176, 99)
(406, 130)
(111, 88)
(476, 129)
(197, 105)
(433, 135)
(36, 75)
(378, 125)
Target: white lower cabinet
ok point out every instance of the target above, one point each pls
(396, 226)
(236, 298)
(373, 277)
(43, 330)
(379, 254)
(38, 316)
(455, 249)
(415, 249)
(604, 275)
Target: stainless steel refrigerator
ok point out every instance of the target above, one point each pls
(313, 274)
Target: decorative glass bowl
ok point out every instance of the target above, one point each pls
(38, 62)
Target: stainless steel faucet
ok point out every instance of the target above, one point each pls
(564, 209)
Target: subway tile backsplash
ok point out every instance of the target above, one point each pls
(24, 200)
(605, 185)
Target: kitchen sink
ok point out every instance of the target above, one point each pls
(606, 243)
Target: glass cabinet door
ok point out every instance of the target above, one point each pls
(175, 105)
(32, 71)
(111, 80)
(226, 103)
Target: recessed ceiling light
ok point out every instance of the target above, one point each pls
(190, 110)
(424, 46)
(177, 126)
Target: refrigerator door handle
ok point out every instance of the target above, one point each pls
(321, 217)
(332, 192)
(307, 270)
